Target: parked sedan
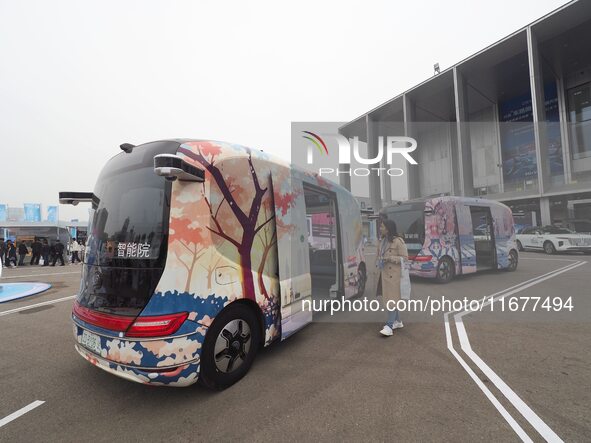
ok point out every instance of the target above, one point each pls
(551, 239)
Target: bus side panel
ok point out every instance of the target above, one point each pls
(466, 238)
(214, 256)
(440, 233)
(292, 250)
(504, 230)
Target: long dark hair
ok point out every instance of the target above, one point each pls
(390, 226)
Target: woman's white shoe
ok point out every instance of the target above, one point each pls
(387, 331)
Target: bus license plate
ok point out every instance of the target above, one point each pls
(91, 341)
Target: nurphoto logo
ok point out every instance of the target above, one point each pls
(387, 146)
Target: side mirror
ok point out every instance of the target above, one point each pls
(73, 198)
(173, 167)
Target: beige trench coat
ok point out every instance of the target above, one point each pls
(390, 275)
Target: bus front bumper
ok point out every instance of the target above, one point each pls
(423, 269)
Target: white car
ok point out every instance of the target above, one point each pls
(551, 239)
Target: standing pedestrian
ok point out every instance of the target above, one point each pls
(391, 250)
(10, 254)
(82, 250)
(51, 253)
(75, 250)
(45, 252)
(2, 251)
(22, 252)
(36, 251)
(59, 253)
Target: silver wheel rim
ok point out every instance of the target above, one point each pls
(232, 346)
(444, 270)
(549, 248)
(512, 261)
(361, 287)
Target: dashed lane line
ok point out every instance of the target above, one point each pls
(39, 275)
(36, 305)
(20, 412)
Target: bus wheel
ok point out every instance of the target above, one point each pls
(362, 279)
(445, 270)
(230, 347)
(549, 248)
(513, 261)
(519, 246)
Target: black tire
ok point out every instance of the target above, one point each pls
(519, 246)
(445, 270)
(586, 252)
(362, 280)
(233, 361)
(549, 247)
(513, 261)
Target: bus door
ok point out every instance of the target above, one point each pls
(466, 239)
(292, 251)
(323, 242)
(484, 242)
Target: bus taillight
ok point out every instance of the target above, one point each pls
(420, 258)
(103, 320)
(157, 326)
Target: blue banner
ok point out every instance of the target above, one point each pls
(32, 212)
(3, 213)
(517, 136)
(52, 214)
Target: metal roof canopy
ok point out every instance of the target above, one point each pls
(499, 70)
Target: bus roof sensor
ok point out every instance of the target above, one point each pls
(173, 167)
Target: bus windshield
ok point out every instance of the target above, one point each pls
(128, 233)
(410, 222)
(130, 222)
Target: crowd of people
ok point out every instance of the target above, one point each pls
(43, 253)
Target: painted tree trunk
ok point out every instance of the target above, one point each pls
(262, 287)
(248, 290)
(190, 274)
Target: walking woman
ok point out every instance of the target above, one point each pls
(392, 249)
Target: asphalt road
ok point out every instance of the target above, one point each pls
(482, 376)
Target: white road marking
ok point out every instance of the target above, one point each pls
(39, 275)
(514, 425)
(544, 430)
(25, 308)
(548, 259)
(20, 412)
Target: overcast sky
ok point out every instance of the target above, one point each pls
(78, 78)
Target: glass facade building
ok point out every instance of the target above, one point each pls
(511, 123)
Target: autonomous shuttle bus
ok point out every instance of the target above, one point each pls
(199, 252)
(449, 236)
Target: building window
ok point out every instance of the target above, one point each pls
(579, 111)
